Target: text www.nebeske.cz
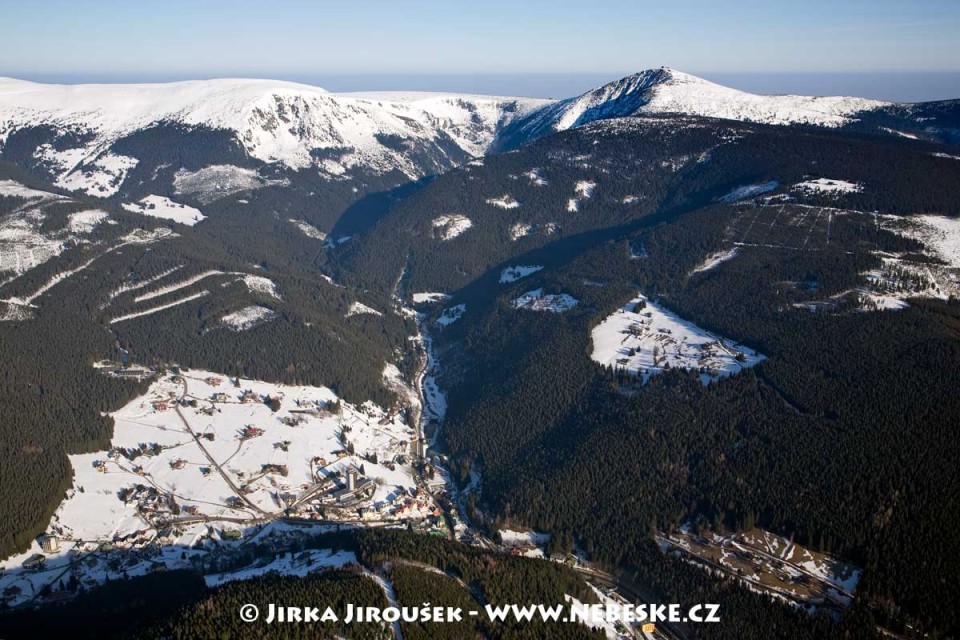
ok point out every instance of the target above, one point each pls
(590, 614)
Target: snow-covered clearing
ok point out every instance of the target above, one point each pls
(536, 300)
(645, 339)
(261, 285)
(101, 178)
(584, 188)
(308, 229)
(715, 259)
(519, 230)
(512, 274)
(218, 181)
(452, 314)
(429, 296)
(248, 317)
(451, 225)
(535, 178)
(506, 201)
(828, 186)
(511, 538)
(162, 207)
(358, 308)
(86, 221)
(939, 233)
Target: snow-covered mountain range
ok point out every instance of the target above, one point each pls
(74, 132)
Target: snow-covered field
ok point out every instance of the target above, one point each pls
(583, 190)
(512, 274)
(537, 300)
(248, 317)
(218, 181)
(519, 230)
(645, 339)
(452, 314)
(535, 178)
(358, 308)
(429, 296)
(448, 227)
(715, 259)
(101, 177)
(198, 456)
(506, 201)
(510, 538)
(261, 285)
(308, 229)
(163, 207)
(828, 186)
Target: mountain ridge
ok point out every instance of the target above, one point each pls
(305, 127)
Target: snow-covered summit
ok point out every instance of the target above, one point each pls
(666, 91)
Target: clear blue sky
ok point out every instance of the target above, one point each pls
(378, 39)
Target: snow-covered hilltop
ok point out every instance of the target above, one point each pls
(666, 91)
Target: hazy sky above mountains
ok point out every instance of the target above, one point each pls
(880, 48)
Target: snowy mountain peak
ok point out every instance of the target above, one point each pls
(666, 90)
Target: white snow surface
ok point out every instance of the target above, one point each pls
(248, 317)
(429, 296)
(512, 274)
(715, 259)
(452, 314)
(939, 233)
(86, 221)
(163, 207)
(358, 308)
(649, 340)
(537, 300)
(275, 121)
(218, 181)
(506, 201)
(828, 185)
(308, 229)
(666, 91)
(519, 230)
(451, 225)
